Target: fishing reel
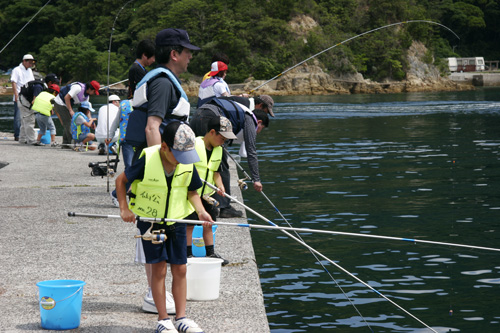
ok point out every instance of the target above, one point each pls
(102, 169)
(210, 200)
(242, 184)
(155, 236)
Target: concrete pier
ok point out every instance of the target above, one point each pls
(478, 79)
(39, 186)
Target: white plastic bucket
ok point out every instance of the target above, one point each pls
(203, 278)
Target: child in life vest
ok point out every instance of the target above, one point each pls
(164, 185)
(81, 124)
(43, 108)
(209, 149)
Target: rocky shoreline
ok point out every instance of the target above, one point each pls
(311, 79)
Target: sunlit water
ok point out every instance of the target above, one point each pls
(422, 166)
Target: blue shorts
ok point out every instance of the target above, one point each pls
(173, 250)
(45, 123)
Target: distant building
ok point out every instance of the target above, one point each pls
(473, 64)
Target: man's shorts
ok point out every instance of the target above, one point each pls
(173, 250)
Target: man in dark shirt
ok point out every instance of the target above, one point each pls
(145, 57)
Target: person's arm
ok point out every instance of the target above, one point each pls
(121, 193)
(250, 136)
(153, 136)
(14, 88)
(219, 184)
(67, 101)
(194, 199)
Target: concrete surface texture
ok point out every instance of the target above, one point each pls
(39, 186)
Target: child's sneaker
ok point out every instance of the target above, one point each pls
(165, 326)
(187, 326)
(148, 304)
(114, 200)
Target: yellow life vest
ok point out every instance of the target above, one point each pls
(152, 193)
(207, 168)
(42, 103)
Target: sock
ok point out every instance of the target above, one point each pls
(189, 250)
(176, 319)
(209, 249)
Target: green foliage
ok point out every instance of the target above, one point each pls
(72, 37)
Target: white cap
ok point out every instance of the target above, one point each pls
(28, 57)
(113, 98)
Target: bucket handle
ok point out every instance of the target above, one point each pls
(53, 302)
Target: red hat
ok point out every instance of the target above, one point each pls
(96, 86)
(55, 87)
(217, 67)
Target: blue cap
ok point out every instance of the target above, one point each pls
(87, 105)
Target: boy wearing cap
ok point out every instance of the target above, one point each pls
(164, 185)
(43, 108)
(81, 124)
(215, 86)
(21, 75)
(74, 93)
(209, 149)
(107, 130)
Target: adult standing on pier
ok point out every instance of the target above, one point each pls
(20, 76)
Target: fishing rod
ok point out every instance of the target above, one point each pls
(242, 185)
(158, 238)
(107, 90)
(411, 240)
(349, 39)
(25, 26)
(318, 253)
(113, 84)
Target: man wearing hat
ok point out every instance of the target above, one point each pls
(74, 93)
(20, 76)
(27, 95)
(214, 86)
(108, 122)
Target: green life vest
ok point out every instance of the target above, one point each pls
(207, 168)
(151, 194)
(42, 103)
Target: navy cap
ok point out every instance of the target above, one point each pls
(175, 37)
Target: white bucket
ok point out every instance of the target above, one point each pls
(203, 278)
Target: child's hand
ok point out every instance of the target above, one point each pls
(206, 218)
(127, 215)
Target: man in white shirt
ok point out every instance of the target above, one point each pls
(107, 129)
(19, 77)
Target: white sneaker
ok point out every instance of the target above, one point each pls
(165, 326)
(148, 304)
(114, 200)
(187, 325)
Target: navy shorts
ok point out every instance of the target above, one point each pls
(173, 250)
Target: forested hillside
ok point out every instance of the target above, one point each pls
(261, 37)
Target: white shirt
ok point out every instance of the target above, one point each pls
(101, 131)
(73, 92)
(21, 75)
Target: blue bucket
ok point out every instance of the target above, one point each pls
(60, 303)
(46, 137)
(198, 247)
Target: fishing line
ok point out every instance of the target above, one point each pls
(25, 26)
(106, 145)
(283, 229)
(298, 236)
(349, 39)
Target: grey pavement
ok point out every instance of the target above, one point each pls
(38, 187)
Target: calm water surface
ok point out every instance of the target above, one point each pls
(422, 165)
(409, 165)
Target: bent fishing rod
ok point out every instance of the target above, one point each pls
(349, 39)
(31, 19)
(159, 237)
